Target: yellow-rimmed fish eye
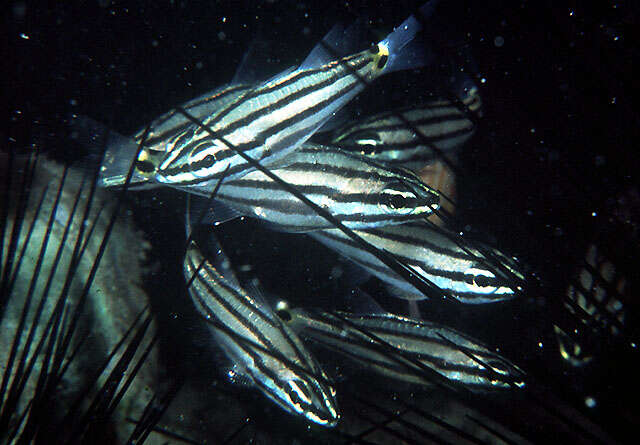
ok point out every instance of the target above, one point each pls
(145, 166)
(383, 56)
(382, 61)
(284, 314)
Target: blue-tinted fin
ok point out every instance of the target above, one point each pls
(364, 304)
(255, 65)
(252, 65)
(404, 294)
(319, 54)
(414, 310)
(404, 52)
(119, 151)
(355, 275)
(337, 120)
(211, 212)
(338, 42)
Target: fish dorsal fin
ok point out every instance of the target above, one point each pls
(255, 64)
(338, 42)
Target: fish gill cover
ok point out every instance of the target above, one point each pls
(118, 351)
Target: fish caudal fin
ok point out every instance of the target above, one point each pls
(405, 52)
(119, 152)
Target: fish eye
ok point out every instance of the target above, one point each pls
(382, 61)
(480, 278)
(374, 49)
(145, 166)
(367, 141)
(284, 314)
(396, 202)
(398, 198)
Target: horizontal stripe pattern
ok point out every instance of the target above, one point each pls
(414, 341)
(164, 129)
(388, 138)
(266, 122)
(432, 254)
(359, 192)
(217, 298)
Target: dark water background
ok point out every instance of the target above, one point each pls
(556, 145)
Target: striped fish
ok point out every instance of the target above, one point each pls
(358, 191)
(387, 137)
(271, 118)
(596, 292)
(433, 255)
(300, 389)
(436, 347)
(174, 123)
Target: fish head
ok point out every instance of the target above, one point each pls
(307, 396)
(407, 197)
(310, 395)
(503, 374)
(480, 284)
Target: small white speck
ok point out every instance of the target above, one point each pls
(590, 402)
(224, 20)
(633, 345)
(483, 80)
(540, 344)
(24, 36)
(594, 213)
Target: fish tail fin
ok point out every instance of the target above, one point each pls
(116, 151)
(404, 51)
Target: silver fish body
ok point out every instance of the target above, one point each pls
(358, 191)
(404, 343)
(433, 255)
(271, 118)
(391, 136)
(301, 389)
(173, 123)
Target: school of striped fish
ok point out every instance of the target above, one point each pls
(372, 175)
